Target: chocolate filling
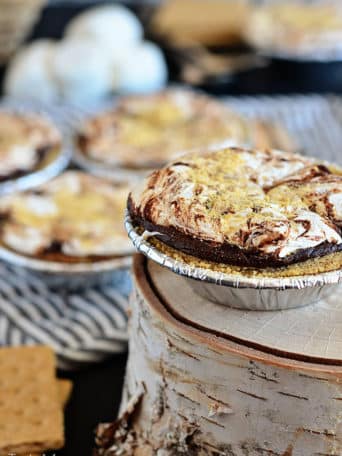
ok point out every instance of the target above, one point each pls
(224, 252)
(54, 251)
(82, 143)
(41, 154)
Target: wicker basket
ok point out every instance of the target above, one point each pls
(17, 18)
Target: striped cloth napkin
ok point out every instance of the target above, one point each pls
(82, 327)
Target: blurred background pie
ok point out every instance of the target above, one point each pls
(28, 142)
(73, 218)
(144, 132)
(297, 28)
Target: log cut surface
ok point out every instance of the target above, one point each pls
(312, 333)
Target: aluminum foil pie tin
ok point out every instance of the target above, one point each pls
(132, 176)
(238, 291)
(59, 159)
(315, 56)
(116, 174)
(69, 276)
(40, 176)
(124, 174)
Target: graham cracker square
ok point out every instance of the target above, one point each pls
(31, 416)
(64, 390)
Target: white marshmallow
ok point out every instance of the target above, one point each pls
(143, 70)
(82, 70)
(29, 73)
(101, 52)
(111, 25)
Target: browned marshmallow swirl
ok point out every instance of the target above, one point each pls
(250, 208)
(25, 140)
(75, 216)
(147, 131)
(296, 28)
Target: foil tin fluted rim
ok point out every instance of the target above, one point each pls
(39, 177)
(56, 267)
(116, 174)
(334, 56)
(56, 166)
(225, 279)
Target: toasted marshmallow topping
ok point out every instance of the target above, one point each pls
(268, 202)
(80, 214)
(296, 27)
(148, 131)
(22, 140)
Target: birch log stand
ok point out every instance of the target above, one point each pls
(204, 379)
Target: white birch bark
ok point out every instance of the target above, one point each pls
(196, 394)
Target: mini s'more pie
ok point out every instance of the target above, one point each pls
(74, 218)
(27, 143)
(259, 209)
